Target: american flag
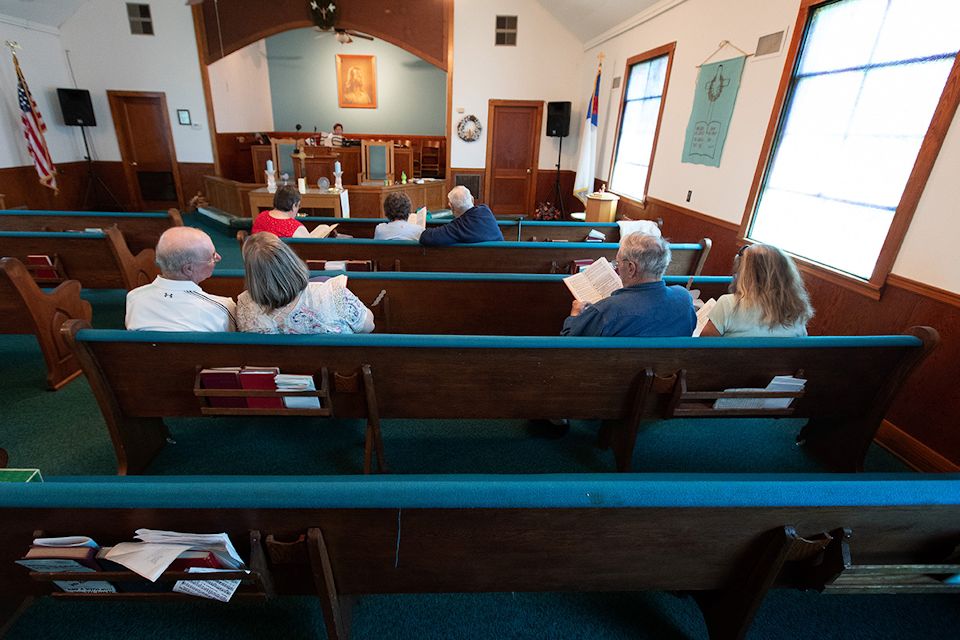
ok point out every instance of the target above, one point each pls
(33, 130)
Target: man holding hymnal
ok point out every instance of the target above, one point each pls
(635, 303)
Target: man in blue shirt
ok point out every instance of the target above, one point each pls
(471, 223)
(645, 306)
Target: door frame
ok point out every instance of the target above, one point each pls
(133, 187)
(488, 171)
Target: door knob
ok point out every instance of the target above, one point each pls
(528, 170)
(134, 164)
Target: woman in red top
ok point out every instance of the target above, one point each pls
(282, 221)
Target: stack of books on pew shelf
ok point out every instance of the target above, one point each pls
(263, 378)
(157, 552)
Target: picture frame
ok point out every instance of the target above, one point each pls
(183, 117)
(356, 81)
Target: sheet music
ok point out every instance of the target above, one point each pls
(221, 590)
(594, 283)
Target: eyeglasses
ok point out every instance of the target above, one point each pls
(618, 262)
(214, 259)
(743, 250)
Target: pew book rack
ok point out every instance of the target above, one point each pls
(322, 393)
(255, 583)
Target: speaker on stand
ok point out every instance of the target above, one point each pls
(558, 126)
(77, 111)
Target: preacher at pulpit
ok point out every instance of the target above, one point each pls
(472, 223)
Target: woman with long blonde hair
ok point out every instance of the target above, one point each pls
(767, 297)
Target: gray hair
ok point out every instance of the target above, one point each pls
(650, 253)
(178, 247)
(460, 199)
(275, 275)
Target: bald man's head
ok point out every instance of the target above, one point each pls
(185, 253)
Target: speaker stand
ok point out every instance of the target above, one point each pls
(557, 191)
(92, 178)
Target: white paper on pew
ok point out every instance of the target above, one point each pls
(703, 316)
(646, 227)
(217, 543)
(221, 590)
(335, 265)
(779, 383)
(145, 558)
(594, 283)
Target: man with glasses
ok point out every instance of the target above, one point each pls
(175, 301)
(645, 306)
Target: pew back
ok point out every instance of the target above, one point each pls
(850, 380)
(429, 534)
(513, 230)
(140, 230)
(462, 303)
(98, 259)
(485, 257)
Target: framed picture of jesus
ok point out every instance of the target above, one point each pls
(357, 81)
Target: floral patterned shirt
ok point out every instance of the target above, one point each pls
(323, 307)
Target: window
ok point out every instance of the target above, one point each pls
(639, 121)
(506, 31)
(867, 83)
(140, 21)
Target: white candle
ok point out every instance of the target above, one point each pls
(302, 185)
(336, 167)
(269, 165)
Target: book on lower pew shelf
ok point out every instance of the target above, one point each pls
(222, 378)
(81, 559)
(42, 261)
(261, 378)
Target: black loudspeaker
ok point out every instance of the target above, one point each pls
(558, 119)
(76, 108)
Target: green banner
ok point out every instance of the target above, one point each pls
(717, 87)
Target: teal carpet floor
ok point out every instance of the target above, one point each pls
(63, 433)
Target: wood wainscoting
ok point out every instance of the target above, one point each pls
(22, 189)
(921, 420)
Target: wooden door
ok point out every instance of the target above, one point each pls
(149, 159)
(513, 152)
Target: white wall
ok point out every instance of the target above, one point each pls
(240, 87)
(45, 69)
(697, 26)
(106, 56)
(543, 66)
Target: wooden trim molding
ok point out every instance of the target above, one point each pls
(667, 50)
(923, 166)
(911, 451)
(730, 226)
(925, 290)
(201, 38)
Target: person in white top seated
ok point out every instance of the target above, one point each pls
(768, 298)
(175, 301)
(396, 208)
(281, 299)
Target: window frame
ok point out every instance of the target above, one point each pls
(668, 50)
(933, 140)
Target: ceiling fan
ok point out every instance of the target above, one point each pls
(324, 14)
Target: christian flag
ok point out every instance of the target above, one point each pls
(33, 130)
(587, 165)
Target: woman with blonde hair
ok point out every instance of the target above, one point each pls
(767, 297)
(281, 299)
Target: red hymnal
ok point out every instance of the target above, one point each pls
(222, 378)
(42, 274)
(261, 378)
(195, 559)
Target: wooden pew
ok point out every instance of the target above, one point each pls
(485, 257)
(98, 259)
(140, 230)
(523, 304)
(728, 538)
(139, 378)
(24, 308)
(513, 230)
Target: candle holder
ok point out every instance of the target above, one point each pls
(271, 181)
(338, 183)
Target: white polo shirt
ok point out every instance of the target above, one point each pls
(178, 305)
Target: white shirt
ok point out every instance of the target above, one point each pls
(178, 305)
(734, 320)
(397, 230)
